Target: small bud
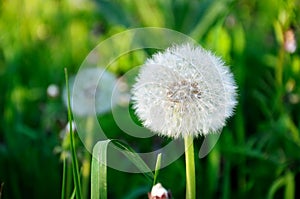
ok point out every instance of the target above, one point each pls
(290, 44)
(159, 192)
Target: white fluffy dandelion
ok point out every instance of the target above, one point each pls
(90, 95)
(184, 91)
(53, 90)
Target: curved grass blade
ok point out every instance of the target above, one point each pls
(276, 186)
(134, 158)
(289, 185)
(99, 168)
(99, 171)
(288, 182)
(76, 174)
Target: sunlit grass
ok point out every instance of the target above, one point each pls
(257, 155)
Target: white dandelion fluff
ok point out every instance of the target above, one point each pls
(53, 90)
(185, 90)
(91, 96)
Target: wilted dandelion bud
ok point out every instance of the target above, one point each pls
(159, 192)
(185, 90)
(290, 44)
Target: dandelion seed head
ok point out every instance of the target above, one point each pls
(53, 90)
(91, 96)
(184, 90)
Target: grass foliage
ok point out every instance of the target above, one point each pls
(257, 155)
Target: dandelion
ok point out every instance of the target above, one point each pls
(185, 92)
(53, 90)
(91, 97)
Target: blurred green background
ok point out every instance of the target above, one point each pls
(258, 154)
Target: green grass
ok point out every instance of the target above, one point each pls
(257, 155)
(100, 163)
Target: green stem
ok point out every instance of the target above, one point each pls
(279, 67)
(63, 187)
(69, 180)
(190, 168)
(1, 187)
(86, 164)
(72, 143)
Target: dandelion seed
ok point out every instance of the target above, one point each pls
(183, 91)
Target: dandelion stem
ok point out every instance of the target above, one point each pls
(190, 168)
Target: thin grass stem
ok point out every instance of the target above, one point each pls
(76, 174)
(63, 187)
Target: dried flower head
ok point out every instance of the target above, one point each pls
(184, 90)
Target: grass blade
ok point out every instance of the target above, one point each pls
(134, 158)
(157, 167)
(275, 187)
(76, 174)
(290, 185)
(64, 179)
(73, 194)
(99, 169)
(1, 187)
(210, 16)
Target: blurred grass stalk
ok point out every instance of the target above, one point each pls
(67, 179)
(288, 181)
(1, 189)
(86, 163)
(64, 179)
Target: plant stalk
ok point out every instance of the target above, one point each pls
(73, 150)
(190, 168)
